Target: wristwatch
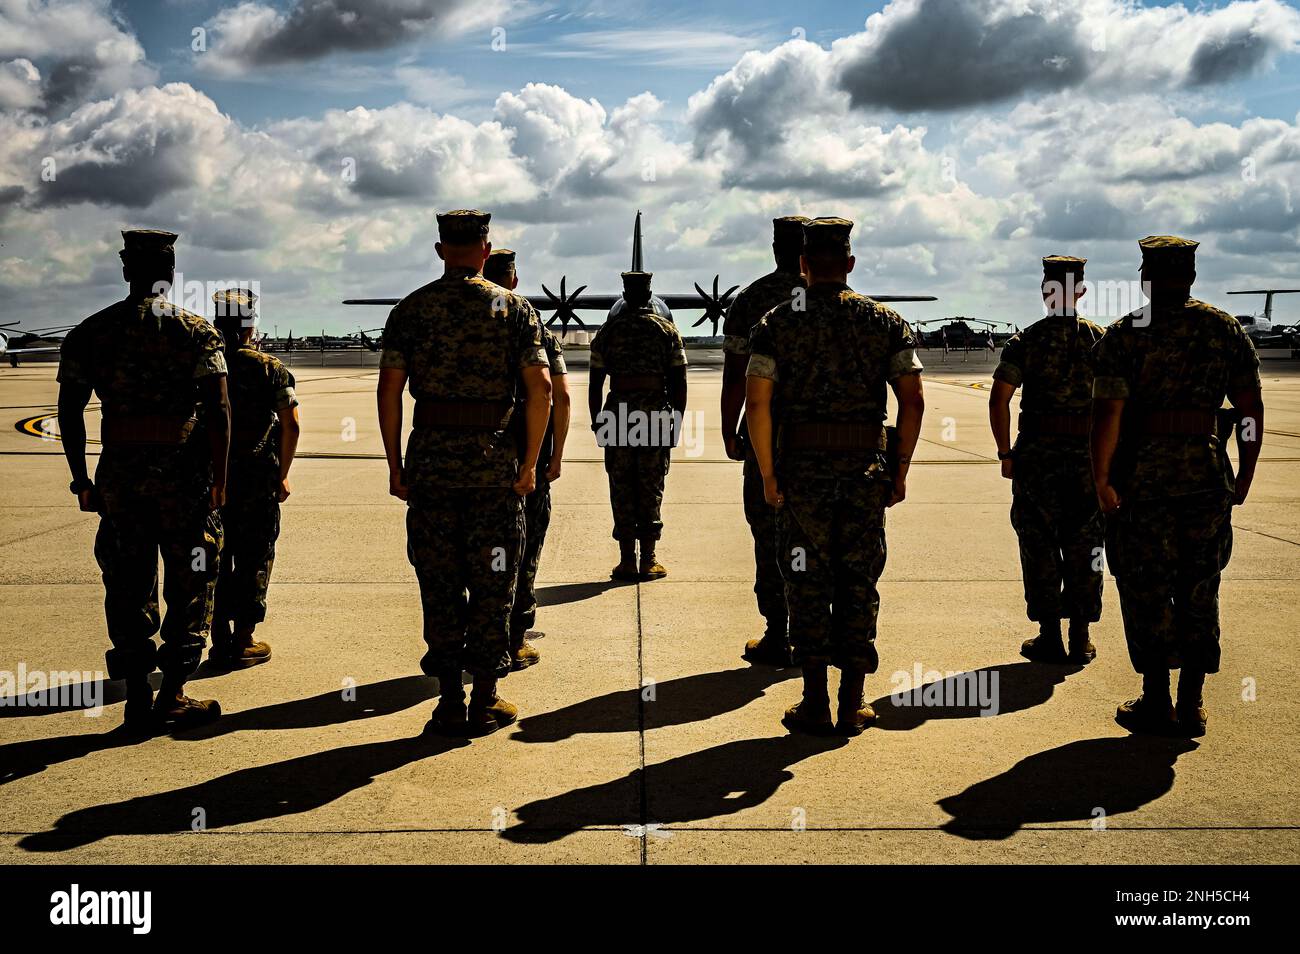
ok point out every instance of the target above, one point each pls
(83, 483)
(1005, 455)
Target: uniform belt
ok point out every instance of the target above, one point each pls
(1188, 423)
(831, 436)
(636, 382)
(246, 440)
(463, 415)
(1055, 425)
(145, 429)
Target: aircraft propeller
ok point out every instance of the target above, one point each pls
(714, 306)
(564, 307)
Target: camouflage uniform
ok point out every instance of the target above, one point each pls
(1054, 504)
(462, 338)
(638, 341)
(260, 387)
(831, 362)
(537, 510)
(753, 302)
(146, 359)
(1172, 536)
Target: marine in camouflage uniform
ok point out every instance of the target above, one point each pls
(462, 343)
(751, 304)
(264, 429)
(643, 355)
(825, 364)
(1054, 503)
(500, 269)
(159, 373)
(1164, 479)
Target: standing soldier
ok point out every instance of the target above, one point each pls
(500, 269)
(644, 357)
(824, 360)
(755, 301)
(1164, 481)
(263, 438)
(464, 344)
(160, 375)
(1054, 504)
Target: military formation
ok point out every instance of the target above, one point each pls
(1120, 459)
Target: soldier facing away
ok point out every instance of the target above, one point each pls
(160, 375)
(1054, 503)
(753, 302)
(1164, 481)
(465, 345)
(263, 438)
(500, 269)
(642, 354)
(824, 363)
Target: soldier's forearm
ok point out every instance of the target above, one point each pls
(72, 429)
(1103, 439)
(537, 410)
(290, 430)
(1000, 422)
(389, 406)
(733, 392)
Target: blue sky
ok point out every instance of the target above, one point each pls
(966, 137)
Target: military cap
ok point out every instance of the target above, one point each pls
(463, 226)
(788, 229)
(1063, 264)
(149, 241)
(827, 234)
(637, 279)
(235, 303)
(499, 264)
(1167, 251)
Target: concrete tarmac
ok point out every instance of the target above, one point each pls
(644, 738)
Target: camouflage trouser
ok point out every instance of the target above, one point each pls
(537, 517)
(636, 490)
(465, 545)
(131, 533)
(1055, 514)
(831, 550)
(768, 585)
(251, 526)
(1167, 556)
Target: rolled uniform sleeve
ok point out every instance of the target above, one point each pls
(762, 352)
(596, 361)
(212, 357)
(394, 354)
(528, 345)
(677, 351)
(903, 358)
(735, 329)
(554, 353)
(1243, 373)
(1011, 368)
(1110, 363)
(283, 383)
(73, 366)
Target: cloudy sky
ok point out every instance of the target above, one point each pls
(306, 144)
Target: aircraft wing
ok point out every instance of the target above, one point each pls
(606, 302)
(53, 349)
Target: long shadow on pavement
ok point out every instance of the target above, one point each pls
(85, 695)
(558, 594)
(671, 702)
(19, 759)
(1068, 783)
(1018, 686)
(248, 795)
(722, 780)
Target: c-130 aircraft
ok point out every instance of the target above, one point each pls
(565, 306)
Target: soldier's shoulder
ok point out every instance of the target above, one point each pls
(197, 326)
(864, 304)
(1205, 311)
(1091, 327)
(420, 299)
(268, 362)
(93, 323)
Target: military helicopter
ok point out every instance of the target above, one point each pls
(15, 343)
(565, 306)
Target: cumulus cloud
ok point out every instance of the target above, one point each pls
(55, 54)
(255, 34)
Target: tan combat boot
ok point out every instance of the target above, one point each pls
(487, 710)
(772, 650)
(626, 569)
(1151, 713)
(241, 652)
(449, 715)
(1046, 647)
(1190, 710)
(523, 653)
(854, 713)
(175, 710)
(1081, 650)
(651, 568)
(813, 713)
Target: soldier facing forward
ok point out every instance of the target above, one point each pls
(824, 363)
(263, 438)
(1054, 503)
(1164, 481)
(753, 302)
(160, 375)
(500, 269)
(464, 344)
(644, 358)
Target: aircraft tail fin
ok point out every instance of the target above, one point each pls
(636, 244)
